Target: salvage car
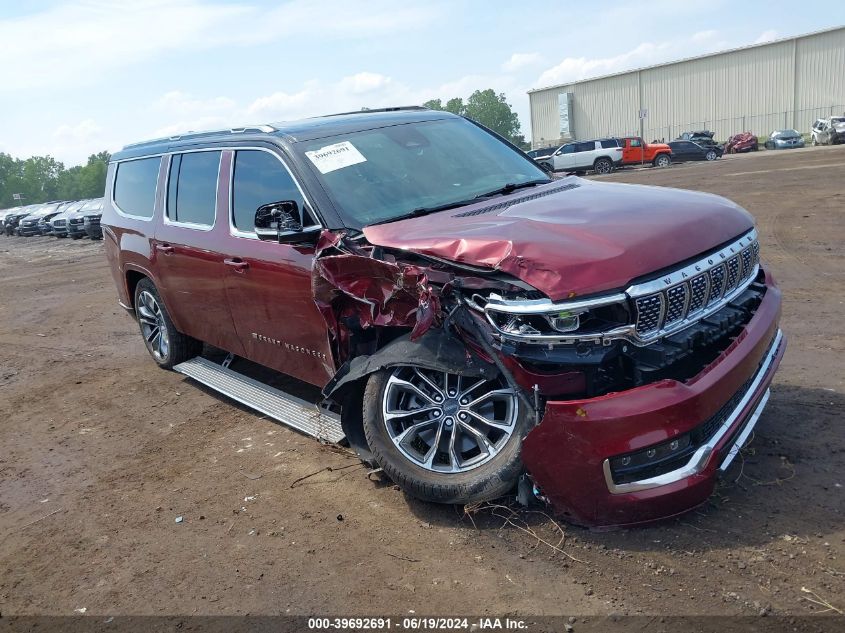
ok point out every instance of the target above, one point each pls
(742, 142)
(58, 222)
(35, 223)
(12, 219)
(828, 131)
(474, 325)
(701, 137)
(784, 139)
(92, 214)
(76, 219)
(683, 151)
(601, 156)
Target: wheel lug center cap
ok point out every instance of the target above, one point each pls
(451, 406)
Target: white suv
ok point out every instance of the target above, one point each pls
(602, 156)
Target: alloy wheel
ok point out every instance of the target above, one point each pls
(153, 326)
(447, 423)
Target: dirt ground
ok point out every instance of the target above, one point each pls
(100, 452)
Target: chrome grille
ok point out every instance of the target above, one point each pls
(677, 302)
(699, 287)
(648, 313)
(668, 304)
(733, 273)
(717, 282)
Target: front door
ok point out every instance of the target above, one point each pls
(188, 260)
(269, 284)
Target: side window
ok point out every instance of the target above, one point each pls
(135, 186)
(608, 143)
(635, 142)
(569, 149)
(260, 178)
(192, 188)
(585, 147)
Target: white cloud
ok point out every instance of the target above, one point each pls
(766, 36)
(704, 36)
(82, 131)
(80, 42)
(518, 61)
(184, 103)
(364, 82)
(575, 68)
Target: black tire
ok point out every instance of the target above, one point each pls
(603, 166)
(662, 160)
(180, 347)
(489, 480)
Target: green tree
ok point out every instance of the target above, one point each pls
(43, 178)
(492, 110)
(488, 108)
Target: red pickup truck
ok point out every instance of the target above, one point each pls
(635, 151)
(472, 325)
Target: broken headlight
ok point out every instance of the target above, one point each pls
(528, 318)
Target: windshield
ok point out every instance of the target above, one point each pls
(787, 134)
(381, 174)
(97, 203)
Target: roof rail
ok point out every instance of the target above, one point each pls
(367, 110)
(266, 129)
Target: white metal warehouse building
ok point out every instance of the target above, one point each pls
(786, 83)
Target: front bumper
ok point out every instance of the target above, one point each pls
(28, 231)
(567, 453)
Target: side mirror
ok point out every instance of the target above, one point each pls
(281, 222)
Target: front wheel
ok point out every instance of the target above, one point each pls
(167, 345)
(711, 155)
(662, 160)
(443, 437)
(603, 166)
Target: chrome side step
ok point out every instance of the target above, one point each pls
(290, 410)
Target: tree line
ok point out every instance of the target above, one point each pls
(43, 178)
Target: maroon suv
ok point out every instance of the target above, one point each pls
(472, 323)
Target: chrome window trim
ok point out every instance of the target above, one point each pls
(190, 225)
(629, 332)
(116, 206)
(251, 235)
(701, 457)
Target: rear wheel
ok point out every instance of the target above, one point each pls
(603, 166)
(167, 345)
(711, 155)
(662, 160)
(443, 437)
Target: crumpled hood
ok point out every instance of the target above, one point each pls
(583, 237)
(840, 128)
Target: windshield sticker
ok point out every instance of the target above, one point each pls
(333, 157)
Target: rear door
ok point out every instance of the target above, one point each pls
(586, 153)
(269, 284)
(188, 258)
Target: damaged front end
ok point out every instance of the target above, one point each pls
(634, 398)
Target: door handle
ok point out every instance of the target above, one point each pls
(237, 263)
(164, 248)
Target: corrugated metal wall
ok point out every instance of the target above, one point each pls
(759, 89)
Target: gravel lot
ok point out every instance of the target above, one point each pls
(102, 451)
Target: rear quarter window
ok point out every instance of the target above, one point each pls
(192, 188)
(135, 186)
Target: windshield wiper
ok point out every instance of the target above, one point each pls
(425, 211)
(511, 187)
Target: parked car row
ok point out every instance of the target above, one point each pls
(59, 218)
(606, 154)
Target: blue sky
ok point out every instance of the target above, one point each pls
(80, 76)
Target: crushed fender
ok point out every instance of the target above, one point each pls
(350, 283)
